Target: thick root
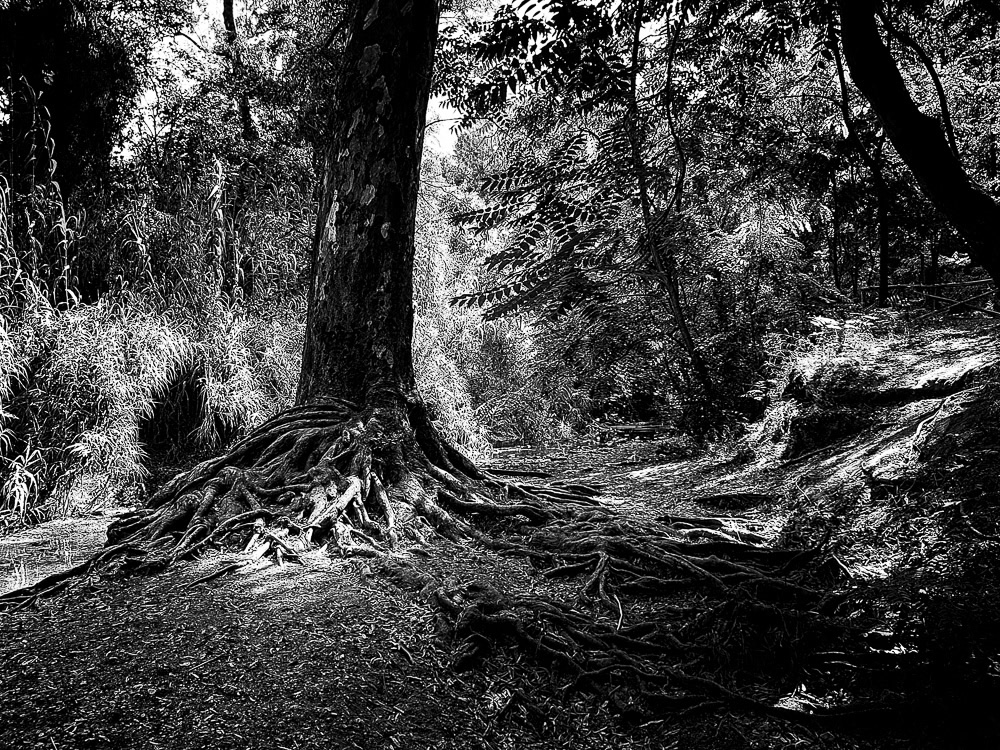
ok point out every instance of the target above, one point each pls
(654, 666)
(331, 477)
(345, 481)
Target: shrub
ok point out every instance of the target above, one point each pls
(817, 386)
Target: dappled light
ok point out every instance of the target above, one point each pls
(400, 374)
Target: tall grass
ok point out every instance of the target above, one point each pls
(107, 369)
(80, 383)
(153, 364)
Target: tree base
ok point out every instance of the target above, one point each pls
(333, 478)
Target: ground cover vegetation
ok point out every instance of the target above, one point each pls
(254, 290)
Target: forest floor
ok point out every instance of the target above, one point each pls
(330, 654)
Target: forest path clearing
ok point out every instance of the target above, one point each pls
(323, 655)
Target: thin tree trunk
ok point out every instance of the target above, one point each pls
(835, 240)
(935, 252)
(243, 99)
(236, 269)
(359, 331)
(664, 263)
(855, 252)
(882, 197)
(918, 138)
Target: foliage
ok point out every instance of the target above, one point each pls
(590, 233)
(86, 65)
(654, 198)
(161, 366)
(87, 389)
(707, 158)
(101, 375)
(487, 381)
(818, 387)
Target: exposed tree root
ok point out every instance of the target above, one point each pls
(331, 477)
(753, 617)
(649, 666)
(217, 573)
(677, 600)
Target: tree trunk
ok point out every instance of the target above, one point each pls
(935, 254)
(835, 240)
(883, 244)
(918, 138)
(882, 199)
(237, 268)
(664, 262)
(243, 98)
(357, 459)
(359, 331)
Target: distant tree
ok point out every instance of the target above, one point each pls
(72, 75)
(73, 72)
(231, 150)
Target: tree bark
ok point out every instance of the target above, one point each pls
(247, 126)
(835, 240)
(234, 267)
(882, 198)
(917, 138)
(359, 331)
(935, 254)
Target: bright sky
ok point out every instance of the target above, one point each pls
(441, 121)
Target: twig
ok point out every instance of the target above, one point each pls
(988, 537)
(202, 664)
(216, 574)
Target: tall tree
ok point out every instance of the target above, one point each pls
(917, 137)
(360, 326)
(359, 439)
(233, 267)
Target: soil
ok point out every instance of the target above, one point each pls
(326, 654)
(331, 654)
(35, 552)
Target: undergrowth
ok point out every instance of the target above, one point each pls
(101, 393)
(816, 387)
(88, 382)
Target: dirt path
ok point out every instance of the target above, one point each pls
(298, 658)
(282, 658)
